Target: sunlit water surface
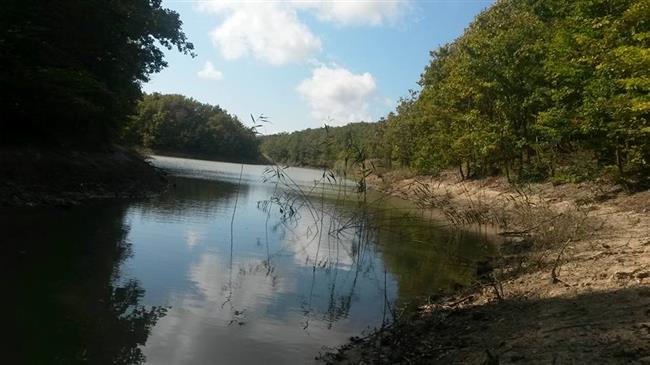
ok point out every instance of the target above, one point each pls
(229, 266)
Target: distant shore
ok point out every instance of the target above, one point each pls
(571, 285)
(261, 160)
(53, 177)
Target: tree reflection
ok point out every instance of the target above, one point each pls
(130, 322)
(420, 255)
(69, 303)
(191, 196)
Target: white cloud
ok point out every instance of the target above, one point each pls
(336, 93)
(369, 12)
(272, 31)
(269, 31)
(208, 72)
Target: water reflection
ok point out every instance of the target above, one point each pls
(224, 268)
(309, 266)
(68, 302)
(191, 197)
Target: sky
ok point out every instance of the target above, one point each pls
(306, 63)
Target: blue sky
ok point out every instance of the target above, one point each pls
(305, 63)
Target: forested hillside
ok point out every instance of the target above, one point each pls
(533, 89)
(71, 74)
(322, 147)
(178, 124)
(71, 71)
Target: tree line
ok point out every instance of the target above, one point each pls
(533, 89)
(181, 125)
(319, 147)
(71, 74)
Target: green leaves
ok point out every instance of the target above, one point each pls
(531, 83)
(177, 124)
(72, 69)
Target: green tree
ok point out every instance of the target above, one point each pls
(71, 70)
(177, 124)
(529, 84)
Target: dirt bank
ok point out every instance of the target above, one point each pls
(571, 286)
(36, 177)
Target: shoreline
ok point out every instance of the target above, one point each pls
(34, 177)
(262, 160)
(571, 285)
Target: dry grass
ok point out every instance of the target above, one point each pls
(538, 232)
(570, 282)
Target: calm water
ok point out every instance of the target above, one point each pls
(221, 269)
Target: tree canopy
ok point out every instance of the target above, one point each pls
(71, 70)
(320, 147)
(181, 125)
(533, 89)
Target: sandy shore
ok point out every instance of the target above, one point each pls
(571, 286)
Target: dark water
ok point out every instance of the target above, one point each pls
(221, 269)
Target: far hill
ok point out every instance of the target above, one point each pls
(323, 147)
(178, 125)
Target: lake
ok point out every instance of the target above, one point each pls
(234, 264)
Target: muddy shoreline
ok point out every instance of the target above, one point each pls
(572, 285)
(49, 177)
